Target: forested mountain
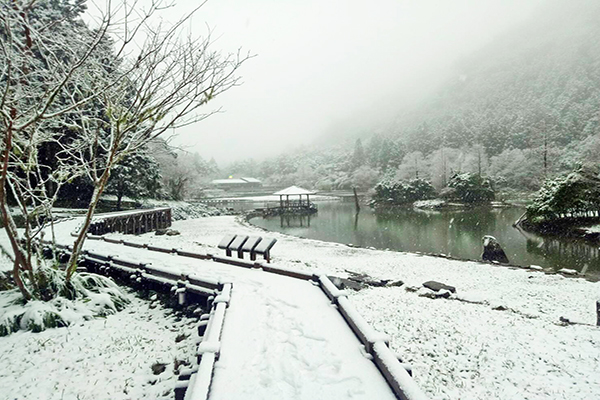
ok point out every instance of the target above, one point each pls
(521, 109)
(542, 79)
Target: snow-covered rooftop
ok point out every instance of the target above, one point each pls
(251, 180)
(293, 190)
(237, 181)
(228, 181)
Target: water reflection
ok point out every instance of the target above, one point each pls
(456, 233)
(288, 221)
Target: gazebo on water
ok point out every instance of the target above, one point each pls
(292, 206)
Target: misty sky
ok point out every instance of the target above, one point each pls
(322, 67)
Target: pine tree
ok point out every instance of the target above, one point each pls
(358, 157)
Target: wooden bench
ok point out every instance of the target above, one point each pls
(225, 242)
(247, 244)
(250, 245)
(264, 248)
(237, 244)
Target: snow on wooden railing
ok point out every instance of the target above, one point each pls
(397, 375)
(208, 350)
(217, 295)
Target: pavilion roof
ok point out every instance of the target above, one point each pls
(293, 191)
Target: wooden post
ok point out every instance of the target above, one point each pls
(356, 200)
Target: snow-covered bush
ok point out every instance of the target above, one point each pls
(84, 297)
(577, 192)
(470, 188)
(181, 210)
(403, 192)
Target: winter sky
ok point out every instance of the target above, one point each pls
(330, 67)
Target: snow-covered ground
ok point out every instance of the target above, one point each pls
(106, 358)
(498, 337)
(282, 338)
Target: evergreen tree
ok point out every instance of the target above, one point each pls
(136, 176)
(358, 157)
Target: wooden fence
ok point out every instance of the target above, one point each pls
(132, 223)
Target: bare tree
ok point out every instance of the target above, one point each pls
(116, 88)
(37, 69)
(172, 77)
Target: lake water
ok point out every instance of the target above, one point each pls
(455, 233)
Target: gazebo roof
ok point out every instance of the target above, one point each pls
(293, 191)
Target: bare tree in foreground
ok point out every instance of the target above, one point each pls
(113, 89)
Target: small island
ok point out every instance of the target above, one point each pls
(463, 190)
(567, 206)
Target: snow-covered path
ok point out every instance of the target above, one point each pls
(282, 338)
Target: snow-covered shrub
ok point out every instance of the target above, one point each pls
(181, 210)
(4, 281)
(403, 192)
(62, 303)
(577, 192)
(470, 188)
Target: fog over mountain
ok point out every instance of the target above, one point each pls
(336, 68)
(522, 108)
(542, 77)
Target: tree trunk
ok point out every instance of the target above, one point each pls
(20, 261)
(79, 241)
(356, 200)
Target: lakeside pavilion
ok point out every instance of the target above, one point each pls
(302, 203)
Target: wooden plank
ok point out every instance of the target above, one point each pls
(397, 377)
(265, 245)
(237, 245)
(238, 242)
(193, 255)
(226, 241)
(233, 261)
(251, 243)
(160, 249)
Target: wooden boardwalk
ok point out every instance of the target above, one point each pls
(282, 337)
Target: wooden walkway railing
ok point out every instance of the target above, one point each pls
(195, 383)
(138, 222)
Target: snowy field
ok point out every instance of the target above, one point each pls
(498, 337)
(106, 358)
